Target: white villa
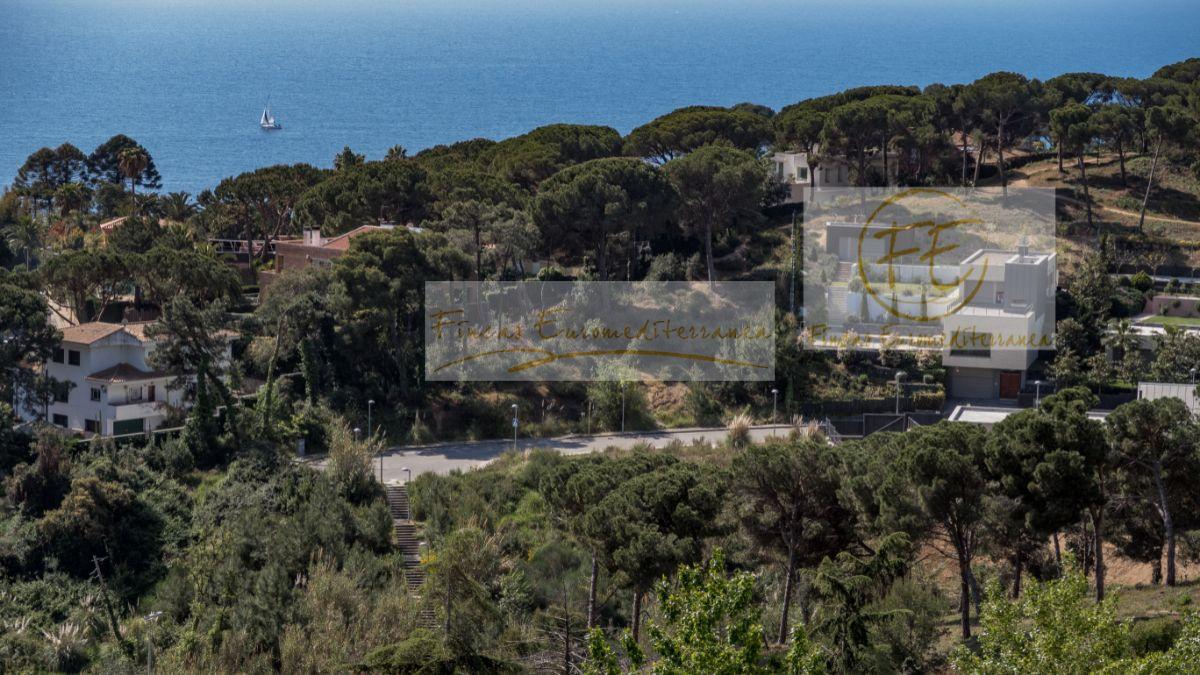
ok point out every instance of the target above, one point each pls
(109, 387)
(794, 170)
(1015, 299)
(993, 324)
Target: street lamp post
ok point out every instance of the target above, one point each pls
(357, 431)
(622, 405)
(900, 375)
(514, 423)
(370, 403)
(1193, 372)
(1037, 398)
(151, 618)
(407, 475)
(774, 406)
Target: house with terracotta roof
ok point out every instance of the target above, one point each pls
(107, 386)
(315, 250)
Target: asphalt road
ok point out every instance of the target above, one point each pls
(445, 457)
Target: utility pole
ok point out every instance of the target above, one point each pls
(792, 306)
(108, 608)
(622, 405)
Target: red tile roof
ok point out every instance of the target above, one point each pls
(125, 372)
(87, 333)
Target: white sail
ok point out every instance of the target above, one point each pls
(267, 121)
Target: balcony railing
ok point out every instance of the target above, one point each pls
(130, 410)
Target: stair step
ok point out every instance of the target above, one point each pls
(406, 536)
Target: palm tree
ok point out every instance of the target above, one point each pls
(132, 162)
(1121, 340)
(71, 197)
(145, 206)
(25, 235)
(177, 206)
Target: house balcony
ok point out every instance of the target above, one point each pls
(132, 410)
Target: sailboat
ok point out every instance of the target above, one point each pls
(267, 122)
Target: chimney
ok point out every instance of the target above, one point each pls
(312, 237)
(1023, 249)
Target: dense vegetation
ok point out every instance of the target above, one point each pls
(215, 551)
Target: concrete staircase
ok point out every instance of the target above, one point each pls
(404, 532)
(406, 536)
(835, 308)
(844, 270)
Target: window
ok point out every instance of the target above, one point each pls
(62, 394)
(91, 426)
(58, 355)
(972, 344)
(95, 393)
(72, 357)
(963, 351)
(60, 421)
(999, 297)
(802, 173)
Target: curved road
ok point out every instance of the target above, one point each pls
(445, 457)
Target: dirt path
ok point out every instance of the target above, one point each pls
(1025, 182)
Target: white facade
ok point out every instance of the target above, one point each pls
(793, 170)
(108, 387)
(1184, 392)
(992, 340)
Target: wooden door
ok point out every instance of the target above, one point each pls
(1010, 385)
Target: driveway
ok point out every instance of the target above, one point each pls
(446, 457)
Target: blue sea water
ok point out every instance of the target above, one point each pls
(189, 78)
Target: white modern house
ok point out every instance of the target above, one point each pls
(794, 170)
(798, 173)
(108, 387)
(990, 323)
(1006, 320)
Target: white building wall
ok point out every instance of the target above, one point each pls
(116, 401)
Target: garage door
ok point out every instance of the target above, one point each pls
(971, 384)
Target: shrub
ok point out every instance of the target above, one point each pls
(1142, 281)
(606, 400)
(739, 431)
(702, 403)
(929, 399)
(350, 467)
(1153, 635)
(667, 267)
(420, 433)
(1128, 301)
(1128, 203)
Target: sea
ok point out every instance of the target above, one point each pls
(189, 78)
